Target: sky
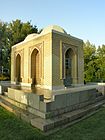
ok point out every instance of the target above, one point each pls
(84, 19)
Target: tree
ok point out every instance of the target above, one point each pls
(101, 62)
(4, 44)
(89, 61)
(20, 30)
(94, 64)
(10, 34)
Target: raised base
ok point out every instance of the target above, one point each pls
(52, 124)
(48, 109)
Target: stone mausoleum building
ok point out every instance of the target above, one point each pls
(51, 60)
(41, 67)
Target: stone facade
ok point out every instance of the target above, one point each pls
(51, 60)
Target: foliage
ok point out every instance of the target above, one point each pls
(101, 62)
(20, 30)
(4, 77)
(4, 45)
(94, 64)
(10, 34)
(89, 57)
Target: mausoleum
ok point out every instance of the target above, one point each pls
(51, 60)
(47, 86)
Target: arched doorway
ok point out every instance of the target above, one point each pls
(18, 68)
(35, 67)
(69, 67)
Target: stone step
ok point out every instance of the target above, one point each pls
(21, 113)
(67, 118)
(13, 102)
(52, 124)
(6, 106)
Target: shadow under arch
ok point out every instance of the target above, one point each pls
(35, 67)
(18, 68)
(69, 67)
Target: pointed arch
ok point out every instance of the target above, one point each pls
(18, 68)
(35, 72)
(69, 66)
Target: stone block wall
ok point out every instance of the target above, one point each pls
(60, 103)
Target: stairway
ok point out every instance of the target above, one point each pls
(55, 123)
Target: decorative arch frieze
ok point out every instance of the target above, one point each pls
(38, 47)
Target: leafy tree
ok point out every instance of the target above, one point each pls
(4, 44)
(89, 61)
(20, 30)
(101, 62)
(10, 34)
(94, 64)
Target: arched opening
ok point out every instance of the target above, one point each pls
(69, 67)
(35, 67)
(18, 68)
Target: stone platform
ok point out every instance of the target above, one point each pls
(47, 110)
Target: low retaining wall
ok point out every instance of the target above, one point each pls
(59, 104)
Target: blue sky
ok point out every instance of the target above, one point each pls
(84, 19)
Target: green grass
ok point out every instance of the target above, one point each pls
(92, 128)
(12, 128)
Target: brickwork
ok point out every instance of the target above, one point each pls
(46, 68)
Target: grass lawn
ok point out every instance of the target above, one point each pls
(12, 128)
